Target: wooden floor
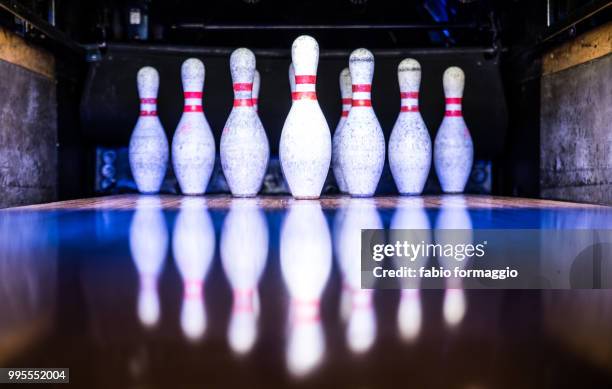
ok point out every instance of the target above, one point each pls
(129, 201)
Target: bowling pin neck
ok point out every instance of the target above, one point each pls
(243, 300)
(410, 101)
(192, 289)
(305, 87)
(346, 106)
(304, 311)
(453, 107)
(193, 101)
(362, 95)
(148, 106)
(242, 94)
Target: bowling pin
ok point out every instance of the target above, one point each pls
(193, 145)
(305, 144)
(193, 246)
(148, 151)
(409, 144)
(148, 246)
(244, 145)
(362, 143)
(292, 80)
(346, 93)
(244, 251)
(255, 94)
(305, 259)
(453, 148)
(361, 317)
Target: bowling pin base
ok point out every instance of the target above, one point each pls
(361, 196)
(193, 194)
(453, 191)
(244, 195)
(306, 197)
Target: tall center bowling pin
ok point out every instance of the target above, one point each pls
(244, 145)
(362, 143)
(347, 95)
(409, 144)
(193, 145)
(148, 152)
(453, 148)
(305, 144)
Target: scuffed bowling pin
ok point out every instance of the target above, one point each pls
(305, 144)
(244, 145)
(148, 246)
(362, 143)
(148, 152)
(346, 93)
(453, 148)
(409, 144)
(255, 94)
(193, 246)
(193, 145)
(244, 251)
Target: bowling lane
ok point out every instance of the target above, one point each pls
(152, 291)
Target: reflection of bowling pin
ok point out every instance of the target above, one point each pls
(148, 152)
(409, 144)
(305, 144)
(148, 246)
(244, 251)
(453, 148)
(193, 245)
(453, 216)
(410, 215)
(361, 328)
(193, 145)
(346, 94)
(362, 143)
(255, 94)
(305, 255)
(244, 145)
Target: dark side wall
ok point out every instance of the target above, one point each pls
(28, 123)
(576, 119)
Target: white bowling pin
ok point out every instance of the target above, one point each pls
(148, 246)
(305, 258)
(244, 251)
(244, 145)
(409, 144)
(362, 143)
(148, 152)
(305, 144)
(193, 145)
(193, 246)
(346, 93)
(292, 80)
(453, 148)
(255, 94)
(361, 326)
(410, 215)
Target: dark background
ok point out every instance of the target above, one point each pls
(498, 44)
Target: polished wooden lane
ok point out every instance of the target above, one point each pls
(128, 202)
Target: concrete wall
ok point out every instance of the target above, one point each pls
(576, 120)
(28, 123)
